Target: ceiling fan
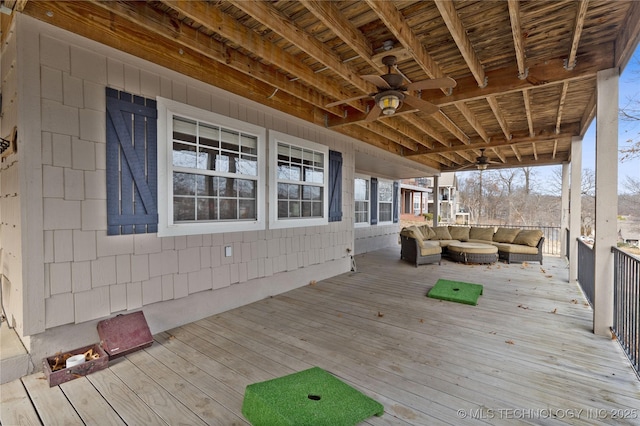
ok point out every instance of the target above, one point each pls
(482, 162)
(392, 94)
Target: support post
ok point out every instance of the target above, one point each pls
(564, 218)
(436, 200)
(606, 198)
(575, 206)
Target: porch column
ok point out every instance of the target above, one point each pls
(436, 200)
(564, 218)
(575, 206)
(606, 198)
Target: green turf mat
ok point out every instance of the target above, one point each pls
(310, 397)
(456, 291)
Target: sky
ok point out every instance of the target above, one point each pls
(629, 93)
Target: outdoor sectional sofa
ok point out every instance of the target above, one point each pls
(424, 244)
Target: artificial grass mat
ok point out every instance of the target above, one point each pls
(456, 291)
(311, 397)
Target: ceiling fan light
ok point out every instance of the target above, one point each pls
(389, 104)
(482, 166)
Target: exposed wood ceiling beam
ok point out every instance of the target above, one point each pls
(269, 16)
(544, 135)
(456, 28)
(445, 122)
(535, 150)
(272, 18)
(527, 108)
(493, 103)
(514, 148)
(589, 114)
(543, 160)
(563, 97)
(329, 14)
(102, 22)
(471, 118)
(428, 129)
(395, 22)
(583, 5)
(498, 154)
(518, 42)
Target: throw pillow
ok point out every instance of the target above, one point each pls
(442, 233)
(413, 232)
(505, 235)
(528, 237)
(477, 233)
(460, 233)
(427, 232)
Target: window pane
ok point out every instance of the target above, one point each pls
(184, 155)
(184, 209)
(361, 189)
(249, 144)
(209, 135)
(207, 186)
(306, 209)
(385, 191)
(228, 209)
(207, 209)
(294, 208)
(385, 212)
(230, 140)
(296, 155)
(206, 159)
(247, 209)
(283, 190)
(246, 188)
(317, 209)
(294, 192)
(248, 165)
(283, 209)
(184, 129)
(227, 187)
(184, 184)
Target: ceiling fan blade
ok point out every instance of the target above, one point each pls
(376, 80)
(374, 113)
(422, 105)
(436, 83)
(344, 101)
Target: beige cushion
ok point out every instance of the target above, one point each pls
(413, 232)
(505, 235)
(442, 233)
(516, 248)
(460, 233)
(477, 233)
(427, 232)
(445, 243)
(430, 247)
(528, 237)
(472, 248)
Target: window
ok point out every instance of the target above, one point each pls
(211, 172)
(361, 199)
(298, 182)
(385, 201)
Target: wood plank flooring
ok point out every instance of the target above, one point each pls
(524, 355)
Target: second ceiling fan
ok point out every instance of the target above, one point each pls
(392, 94)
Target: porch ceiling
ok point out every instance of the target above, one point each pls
(525, 70)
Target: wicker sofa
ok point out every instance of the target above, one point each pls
(514, 244)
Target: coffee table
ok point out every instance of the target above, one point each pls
(473, 252)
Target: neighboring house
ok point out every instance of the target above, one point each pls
(629, 231)
(417, 198)
(135, 187)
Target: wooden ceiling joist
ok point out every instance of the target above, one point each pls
(583, 5)
(518, 42)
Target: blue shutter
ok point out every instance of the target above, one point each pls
(132, 178)
(335, 186)
(374, 201)
(396, 187)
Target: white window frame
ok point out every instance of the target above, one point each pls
(380, 182)
(368, 222)
(167, 109)
(276, 137)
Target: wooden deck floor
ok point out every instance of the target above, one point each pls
(524, 355)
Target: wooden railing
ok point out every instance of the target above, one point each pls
(626, 304)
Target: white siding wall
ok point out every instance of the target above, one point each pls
(89, 275)
(375, 237)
